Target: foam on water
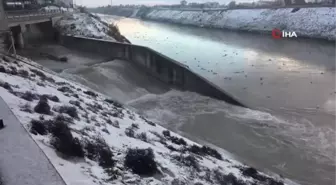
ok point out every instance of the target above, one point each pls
(175, 107)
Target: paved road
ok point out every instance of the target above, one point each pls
(22, 162)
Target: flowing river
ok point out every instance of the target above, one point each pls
(288, 84)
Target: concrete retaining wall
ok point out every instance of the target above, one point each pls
(157, 65)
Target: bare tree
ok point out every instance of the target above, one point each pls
(183, 3)
(232, 4)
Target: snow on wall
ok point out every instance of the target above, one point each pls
(306, 22)
(82, 24)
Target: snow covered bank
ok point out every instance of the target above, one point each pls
(86, 25)
(92, 139)
(306, 22)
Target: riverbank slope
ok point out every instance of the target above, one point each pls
(306, 22)
(91, 139)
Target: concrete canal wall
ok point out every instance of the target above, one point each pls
(154, 63)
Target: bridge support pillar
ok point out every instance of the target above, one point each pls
(20, 40)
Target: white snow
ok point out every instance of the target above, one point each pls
(307, 22)
(47, 8)
(87, 172)
(81, 24)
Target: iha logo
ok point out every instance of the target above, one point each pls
(278, 34)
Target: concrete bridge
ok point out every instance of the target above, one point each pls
(24, 25)
(16, 18)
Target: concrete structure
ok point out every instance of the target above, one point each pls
(3, 18)
(155, 64)
(19, 23)
(21, 159)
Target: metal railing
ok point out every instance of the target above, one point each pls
(26, 15)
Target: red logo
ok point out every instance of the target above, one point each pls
(276, 33)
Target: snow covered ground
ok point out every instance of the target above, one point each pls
(306, 22)
(46, 8)
(81, 24)
(91, 139)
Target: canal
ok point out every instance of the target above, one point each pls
(289, 86)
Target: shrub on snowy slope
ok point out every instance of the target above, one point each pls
(98, 135)
(63, 141)
(141, 161)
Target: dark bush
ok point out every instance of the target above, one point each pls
(212, 152)
(62, 83)
(65, 89)
(1, 180)
(94, 107)
(90, 93)
(29, 96)
(13, 71)
(178, 182)
(170, 147)
(105, 114)
(40, 84)
(61, 118)
(204, 150)
(6, 86)
(105, 158)
(117, 114)
(252, 172)
(141, 161)
(115, 124)
(130, 132)
(150, 123)
(39, 127)
(26, 108)
(166, 133)
(42, 107)
(38, 73)
(98, 106)
(142, 136)
(52, 98)
(64, 142)
(187, 161)
(75, 103)
(94, 118)
(131, 116)
(98, 150)
(115, 103)
(135, 126)
(227, 179)
(71, 111)
(63, 59)
(178, 141)
(3, 69)
(295, 10)
(24, 73)
(105, 130)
